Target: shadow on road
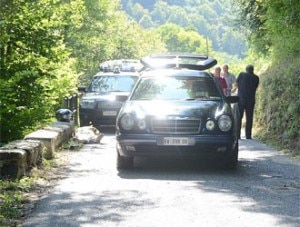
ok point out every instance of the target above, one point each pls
(264, 184)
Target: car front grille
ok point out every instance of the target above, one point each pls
(176, 126)
(109, 105)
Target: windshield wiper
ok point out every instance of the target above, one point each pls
(197, 98)
(116, 91)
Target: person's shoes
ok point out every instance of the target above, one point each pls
(248, 138)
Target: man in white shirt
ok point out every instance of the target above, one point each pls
(230, 79)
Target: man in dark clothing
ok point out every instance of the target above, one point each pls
(247, 83)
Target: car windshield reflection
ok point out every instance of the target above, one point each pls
(176, 88)
(102, 84)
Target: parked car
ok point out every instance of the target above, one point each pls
(177, 109)
(99, 105)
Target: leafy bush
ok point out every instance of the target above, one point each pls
(278, 106)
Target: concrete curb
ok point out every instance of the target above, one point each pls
(18, 157)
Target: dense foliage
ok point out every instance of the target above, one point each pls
(178, 39)
(107, 33)
(48, 47)
(273, 29)
(211, 19)
(36, 67)
(278, 109)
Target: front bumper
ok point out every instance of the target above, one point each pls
(98, 118)
(149, 146)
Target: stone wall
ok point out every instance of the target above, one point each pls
(17, 158)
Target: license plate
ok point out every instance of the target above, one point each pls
(109, 113)
(175, 141)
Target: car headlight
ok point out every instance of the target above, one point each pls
(210, 125)
(87, 103)
(127, 121)
(225, 123)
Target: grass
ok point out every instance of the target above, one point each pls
(272, 140)
(12, 199)
(13, 194)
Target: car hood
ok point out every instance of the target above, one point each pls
(160, 109)
(110, 96)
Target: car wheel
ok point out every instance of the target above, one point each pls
(124, 162)
(232, 160)
(84, 123)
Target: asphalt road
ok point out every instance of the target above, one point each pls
(263, 191)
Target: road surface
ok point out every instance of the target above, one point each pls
(263, 191)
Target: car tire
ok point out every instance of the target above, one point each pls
(232, 160)
(84, 123)
(124, 162)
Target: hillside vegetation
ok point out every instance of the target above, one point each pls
(278, 104)
(273, 28)
(212, 19)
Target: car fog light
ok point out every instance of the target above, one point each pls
(210, 125)
(142, 124)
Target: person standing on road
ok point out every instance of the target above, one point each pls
(221, 80)
(247, 83)
(230, 79)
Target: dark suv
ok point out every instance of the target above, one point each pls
(177, 109)
(99, 106)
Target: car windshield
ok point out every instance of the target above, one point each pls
(176, 88)
(116, 83)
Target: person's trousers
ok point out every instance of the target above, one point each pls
(248, 109)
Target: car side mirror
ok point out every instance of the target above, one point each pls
(82, 89)
(232, 99)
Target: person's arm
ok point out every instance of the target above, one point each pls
(236, 84)
(224, 86)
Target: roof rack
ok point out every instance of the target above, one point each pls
(189, 61)
(125, 65)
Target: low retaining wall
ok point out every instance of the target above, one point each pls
(17, 158)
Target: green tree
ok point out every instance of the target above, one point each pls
(271, 25)
(178, 39)
(146, 22)
(33, 60)
(107, 33)
(161, 13)
(178, 16)
(138, 11)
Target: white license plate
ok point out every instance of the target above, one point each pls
(109, 113)
(175, 141)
